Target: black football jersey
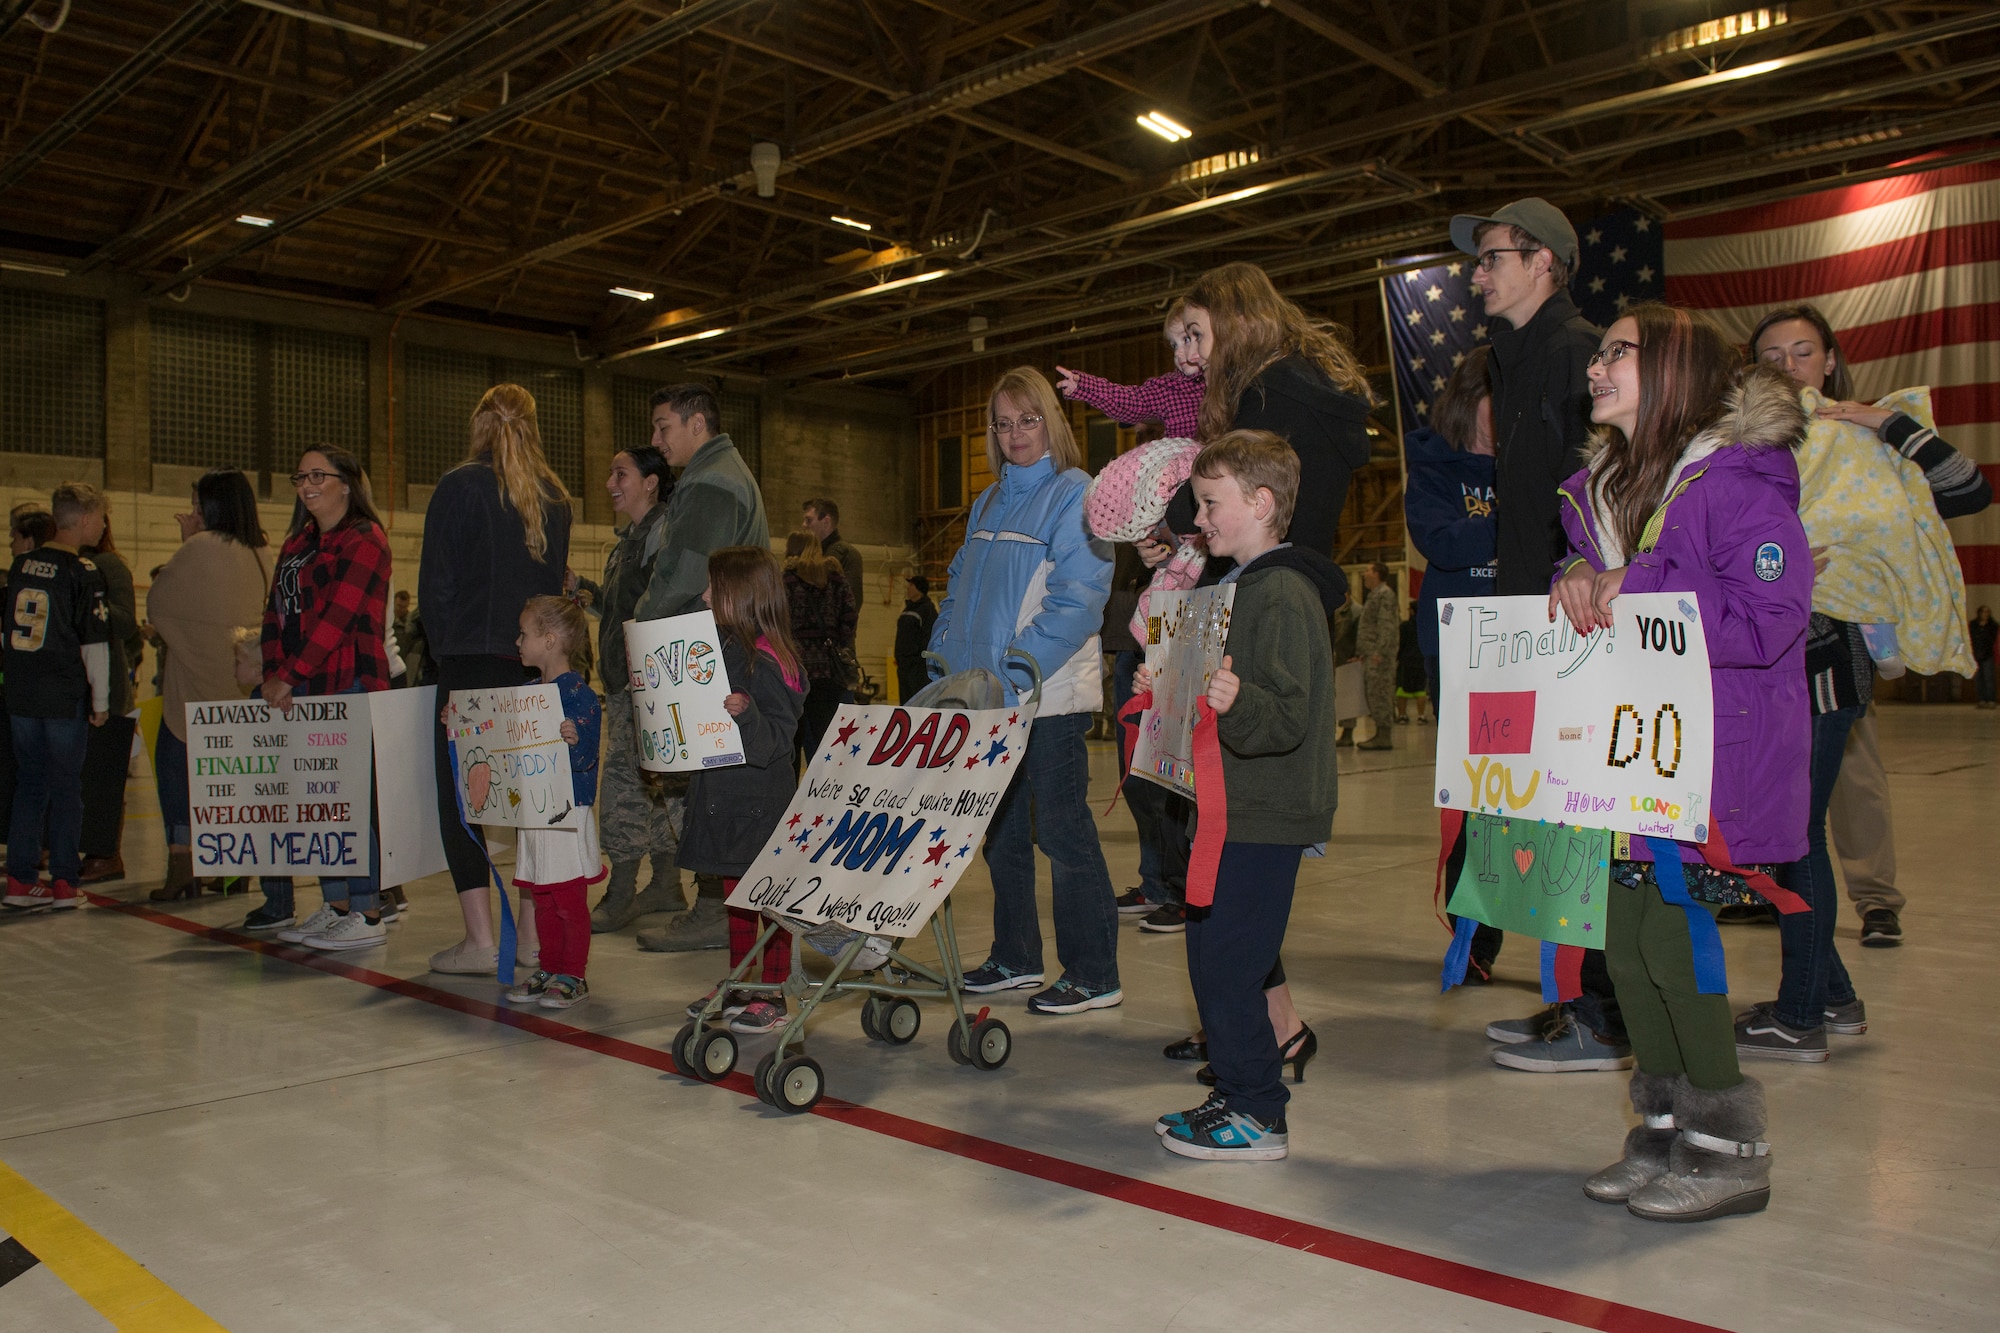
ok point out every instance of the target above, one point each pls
(55, 605)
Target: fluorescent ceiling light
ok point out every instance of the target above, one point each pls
(252, 220)
(446, 117)
(851, 222)
(1165, 126)
(684, 338)
(635, 295)
(710, 333)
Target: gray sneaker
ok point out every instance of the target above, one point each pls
(704, 926)
(1516, 1031)
(1847, 1020)
(1761, 1034)
(1568, 1048)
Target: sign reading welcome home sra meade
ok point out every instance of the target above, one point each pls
(1611, 730)
(274, 793)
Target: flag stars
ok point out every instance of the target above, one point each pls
(1457, 360)
(1622, 301)
(1455, 268)
(1645, 273)
(1596, 286)
(1437, 382)
(1458, 314)
(1617, 254)
(1437, 338)
(1415, 317)
(1593, 236)
(1433, 292)
(1479, 332)
(1416, 363)
(1412, 276)
(1642, 224)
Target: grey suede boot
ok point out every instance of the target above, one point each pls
(663, 892)
(704, 927)
(1720, 1163)
(615, 910)
(1648, 1146)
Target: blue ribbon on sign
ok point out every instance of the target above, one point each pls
(1549, 987)
(505, 959)
(1711, 972)
(1459, 956)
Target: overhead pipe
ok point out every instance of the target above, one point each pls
(328, 21)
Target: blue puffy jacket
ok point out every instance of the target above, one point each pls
(1030, 576)
(1448, 502)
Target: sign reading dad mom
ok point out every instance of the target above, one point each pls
(277, 793)
(678, 686)
(889, 814)
(1612, 730)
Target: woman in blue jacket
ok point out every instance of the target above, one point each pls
(1030, 577)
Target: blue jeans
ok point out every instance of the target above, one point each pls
(48, 786)
(1814, 977)
(170, 777)
(359, 892)
(1232, 947)
(1048, 804)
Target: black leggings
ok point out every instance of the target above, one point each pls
(467, 858)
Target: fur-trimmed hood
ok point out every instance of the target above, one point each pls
(1762, 411)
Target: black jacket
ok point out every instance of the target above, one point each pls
(1541, 421)
(732, 811)
(913, 629)
(476, 573)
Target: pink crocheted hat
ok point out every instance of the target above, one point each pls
(1129, 497)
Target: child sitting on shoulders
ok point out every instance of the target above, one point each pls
(1273, 700)
(731, 812)
(1173, 400)
(558, 865)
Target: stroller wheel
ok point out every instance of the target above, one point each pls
(954, 1045)
(797, 1084)
(897, 1021)
(681, 1048)
(871, 1009)
(714, 1054)
(992, 1043)
(762, 1078)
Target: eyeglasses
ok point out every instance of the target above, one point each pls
(1002, 426)
(316, 477)
(1612, 353)
(1487, 257)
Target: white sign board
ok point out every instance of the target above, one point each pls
(678, 686)
(1613, 730)
(1194, 633)
(513, 764)
(406, 794)
(889, 814)
(274, 793)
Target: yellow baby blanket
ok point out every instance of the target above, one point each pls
(1890, 557)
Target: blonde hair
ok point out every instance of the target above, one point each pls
(1031, 390)
(805, 557)
(1254, 459)
(565, 620)
(73, 500)
(504, 431)
(1251, 326)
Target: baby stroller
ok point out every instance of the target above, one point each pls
(889, 981)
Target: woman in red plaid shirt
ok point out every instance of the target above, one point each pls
(324, 634)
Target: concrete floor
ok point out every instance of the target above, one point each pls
(289, 1149)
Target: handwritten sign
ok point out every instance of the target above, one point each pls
(1545, 881)
(889, 814)
(513, 764)
(274, 793)
(678, 686)
(1612, 730)
(1193, 632)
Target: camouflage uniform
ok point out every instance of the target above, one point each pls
(632, 822)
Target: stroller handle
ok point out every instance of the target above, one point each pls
(1034, 669)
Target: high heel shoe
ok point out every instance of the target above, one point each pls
(180, 881)
(1187, 1048)
(1302, 1046)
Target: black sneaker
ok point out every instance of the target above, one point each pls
(1761, 1034)
(1066, 997)
(268, 917)
(1166, 919)
(1134, 902)
(1880, 929)
(990, 976)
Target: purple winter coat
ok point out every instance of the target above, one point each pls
(1729, 508)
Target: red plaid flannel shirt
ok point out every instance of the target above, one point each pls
(344, 602)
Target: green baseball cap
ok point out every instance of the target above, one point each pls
(1538, 217)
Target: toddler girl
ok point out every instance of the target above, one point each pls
(1172, 400)
(731, 812)
(557, 865)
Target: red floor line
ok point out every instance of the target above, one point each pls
(1377, 1256)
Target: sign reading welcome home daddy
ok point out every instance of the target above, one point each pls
(513, 764)
(678, 686)
(890, 812)
(1611, 730)
(274, 793)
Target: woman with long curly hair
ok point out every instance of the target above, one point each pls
(495, 534)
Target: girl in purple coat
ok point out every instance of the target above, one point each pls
(1692, 487)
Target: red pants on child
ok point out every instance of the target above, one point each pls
(744, 928)
(562, 920)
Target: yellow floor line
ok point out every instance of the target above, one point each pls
(118, 1288)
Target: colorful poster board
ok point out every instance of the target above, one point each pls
(280, 793)
(890, 812)
(678, 686)
(1193, 634)
(1614, 729)
(1529, 877)
(513, 764)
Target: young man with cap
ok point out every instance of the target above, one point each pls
(913, 635)
(1525, 255)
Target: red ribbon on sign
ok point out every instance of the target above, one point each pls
(1569, 971)
(1211, 803)
(1128, 724)
(1451, 823)
(1716, 852)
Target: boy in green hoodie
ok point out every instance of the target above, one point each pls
(1273, 699)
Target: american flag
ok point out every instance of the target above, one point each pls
(1436, 316)
(1907, 269)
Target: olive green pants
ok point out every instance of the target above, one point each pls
(1674, 1028)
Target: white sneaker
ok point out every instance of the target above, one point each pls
(315, 924)
(353, 931)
